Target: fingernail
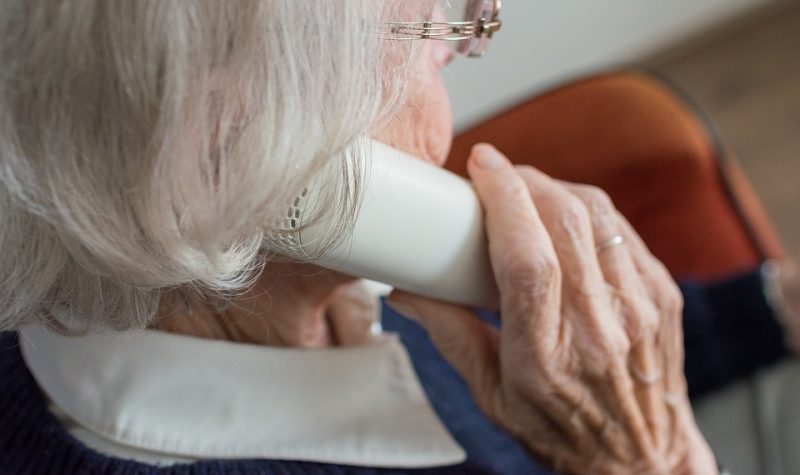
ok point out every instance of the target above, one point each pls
(487, 157)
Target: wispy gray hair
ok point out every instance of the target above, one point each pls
(146, 145)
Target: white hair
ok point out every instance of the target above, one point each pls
(146, 145)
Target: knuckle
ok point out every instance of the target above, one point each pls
(616, 349)
(672, 300)
(574, 217)
(663, 290)
(668, 295)
(601, 209)
(607, 351)
(513, 191)
(641, 317)
(620, 346)
(596, 199)
(529, 270)
(649, 321)
(672, 306)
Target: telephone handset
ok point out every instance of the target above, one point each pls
(419, 229)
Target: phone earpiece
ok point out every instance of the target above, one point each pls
(419, 228)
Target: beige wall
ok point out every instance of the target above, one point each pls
(543, 41)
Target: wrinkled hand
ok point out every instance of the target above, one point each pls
(587, 367)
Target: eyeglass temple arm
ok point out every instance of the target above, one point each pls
(444, 30)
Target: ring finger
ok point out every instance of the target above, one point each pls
(616, 261)
(596, 320)
(641, 316)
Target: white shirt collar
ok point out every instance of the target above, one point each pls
(195, 398)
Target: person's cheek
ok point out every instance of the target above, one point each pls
(439, 115)
(423, 126)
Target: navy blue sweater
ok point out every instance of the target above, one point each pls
(729, 332)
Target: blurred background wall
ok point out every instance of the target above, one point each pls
(545, 40)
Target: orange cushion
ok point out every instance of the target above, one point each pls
(632, 135)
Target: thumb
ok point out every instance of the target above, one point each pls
(352, 313)
(467, 343)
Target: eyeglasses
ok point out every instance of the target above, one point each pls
(467, 24)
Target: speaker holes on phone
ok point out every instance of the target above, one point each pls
(284, 234)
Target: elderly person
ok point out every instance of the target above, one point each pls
(145, 148)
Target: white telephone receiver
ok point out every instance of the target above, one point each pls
(419, 228)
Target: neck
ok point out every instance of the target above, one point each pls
(288, 306)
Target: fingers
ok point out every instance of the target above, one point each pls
(667, 298)
(352, 314)
(641, 317)
(617, 264)
(603, 340)
(523, 259)
(569, 224)
(661, 287)
(467, 343)
(635, 277)
(649, 296)
(577, 218)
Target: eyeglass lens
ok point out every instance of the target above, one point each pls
(466, 11)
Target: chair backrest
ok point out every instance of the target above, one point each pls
(658, 157)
